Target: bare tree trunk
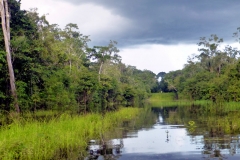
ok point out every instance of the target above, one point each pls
(6, 32)
(70, 60)
(99, 72)
(219, 70)
(7, 19)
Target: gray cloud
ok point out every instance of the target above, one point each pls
(173, 21)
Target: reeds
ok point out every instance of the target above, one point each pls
(58, 138)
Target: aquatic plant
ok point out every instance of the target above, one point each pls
(58, 138)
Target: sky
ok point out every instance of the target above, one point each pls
(156, 35)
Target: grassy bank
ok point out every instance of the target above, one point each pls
(168, 99)
(157, 97)
(59, 137)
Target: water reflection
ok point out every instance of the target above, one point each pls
(110, 149)
(167, 140)
(190, 132)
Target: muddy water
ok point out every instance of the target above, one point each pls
(174, 133)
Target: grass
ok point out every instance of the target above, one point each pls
(167, 100)
(161, 97)
(58, 138)
(179, 103)
(231, 106)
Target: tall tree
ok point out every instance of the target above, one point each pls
(210, 49)
(75, 44)
(105, 53)
(5, 16)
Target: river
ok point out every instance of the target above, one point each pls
(175, 133)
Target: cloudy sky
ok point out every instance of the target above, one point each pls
(157, 35)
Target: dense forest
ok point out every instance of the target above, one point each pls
(55, 69)
(213, 74)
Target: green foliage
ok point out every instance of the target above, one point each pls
(56, 70)
(158, 98)
(213, 75)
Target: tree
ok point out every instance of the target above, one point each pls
(75, 44)
(161, 75)
(103, 54)
(209, 51)
(237, 35)
(85, 87)
(5, 16)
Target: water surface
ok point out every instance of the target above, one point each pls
(177, 133)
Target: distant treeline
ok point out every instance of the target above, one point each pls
(56, 69)
(213, 74)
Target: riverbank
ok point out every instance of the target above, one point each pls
(58, 138)
(168, 100)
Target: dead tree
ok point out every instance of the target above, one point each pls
(5, 17)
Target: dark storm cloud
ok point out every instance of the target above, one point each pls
(173, 21)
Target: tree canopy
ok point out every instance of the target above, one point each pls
(55, 69)
(213, 74)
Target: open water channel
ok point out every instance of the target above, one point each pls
(173, 133)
